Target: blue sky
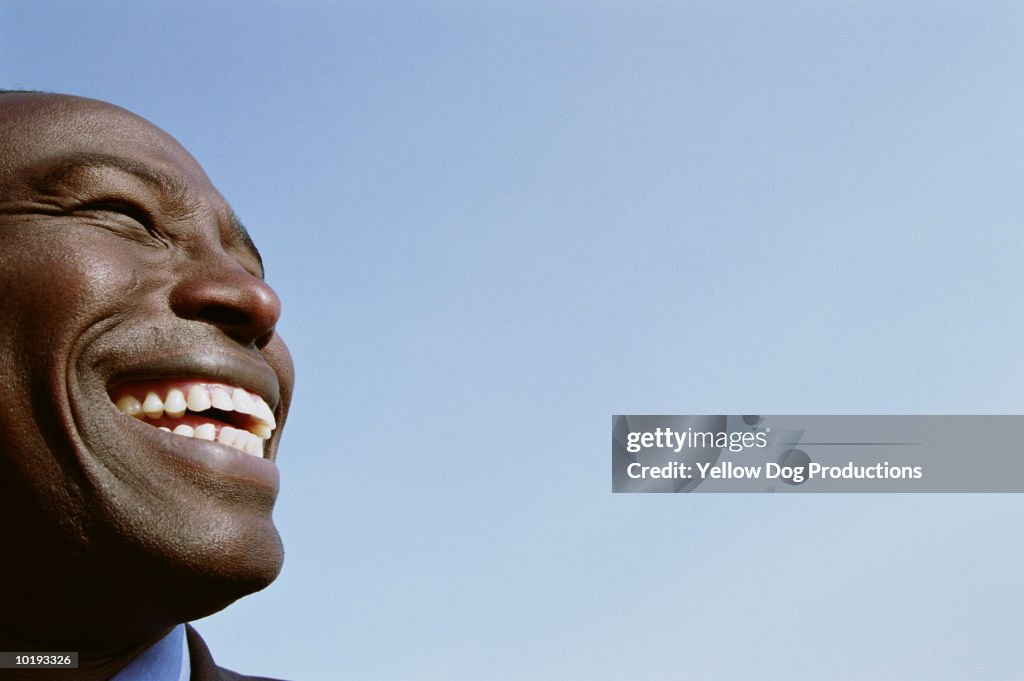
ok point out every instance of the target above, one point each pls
(493, 225)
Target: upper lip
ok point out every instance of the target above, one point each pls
(230, 368)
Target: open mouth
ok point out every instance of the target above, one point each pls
(203, 410)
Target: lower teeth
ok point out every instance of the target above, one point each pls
(232, 437)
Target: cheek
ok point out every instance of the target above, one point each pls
(54, 289)
(89, 278)
(55, 295)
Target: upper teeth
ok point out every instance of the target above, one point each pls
(197, 398)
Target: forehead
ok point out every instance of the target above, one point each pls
(55, 135)
(36, 128)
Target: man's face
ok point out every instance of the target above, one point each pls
(133, 305)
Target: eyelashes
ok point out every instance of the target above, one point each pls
(125, 218)
(124, 208)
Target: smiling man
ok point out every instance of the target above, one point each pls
(142, 396)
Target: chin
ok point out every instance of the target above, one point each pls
(223, 580)
(197, 574)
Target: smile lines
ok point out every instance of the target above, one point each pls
(216, 412)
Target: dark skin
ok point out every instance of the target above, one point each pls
(120, 261)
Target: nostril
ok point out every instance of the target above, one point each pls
(263, 340)
(224, 316)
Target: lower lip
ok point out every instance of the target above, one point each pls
(208, 456)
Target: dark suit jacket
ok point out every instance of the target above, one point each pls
(203, 666)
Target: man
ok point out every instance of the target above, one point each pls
(143, 389)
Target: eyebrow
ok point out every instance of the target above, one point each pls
(66, 165)
(166, 183)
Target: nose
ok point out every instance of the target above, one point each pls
(240, 304)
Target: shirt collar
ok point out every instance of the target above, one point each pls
(165, 660)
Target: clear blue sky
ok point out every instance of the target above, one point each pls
(494, 225)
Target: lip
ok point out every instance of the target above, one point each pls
(196, 458)
(216, 366)
(199, 457)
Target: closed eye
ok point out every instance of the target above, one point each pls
(125, 218)
(125, 208)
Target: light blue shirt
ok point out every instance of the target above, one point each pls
(165, 660)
